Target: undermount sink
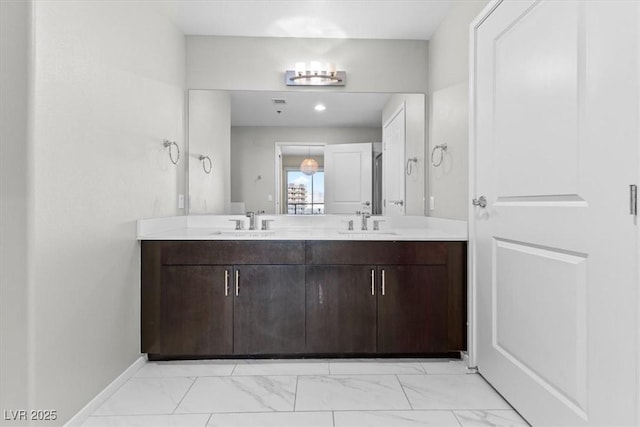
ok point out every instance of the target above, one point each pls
(248, 233)
(368, 232)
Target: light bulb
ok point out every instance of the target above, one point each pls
(315, 67)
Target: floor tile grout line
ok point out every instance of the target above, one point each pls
(185, 395)
(151, 414)
(295, 395)
(208, 420)
(235, 366)
(300, 412)
(456, 417)
(405, 393)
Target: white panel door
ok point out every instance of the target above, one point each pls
(555, 129)
(348, 176)
(393, 184)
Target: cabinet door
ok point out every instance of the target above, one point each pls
(412, 309)
(269, 309)
(341, 309)
(196, 311)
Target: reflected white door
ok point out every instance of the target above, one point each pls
(348, 178)
(393, 185)
(555, 248)
(280, 202)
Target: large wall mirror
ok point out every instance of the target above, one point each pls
(305, 152)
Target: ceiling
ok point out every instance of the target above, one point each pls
(355, 19)
(343, 109)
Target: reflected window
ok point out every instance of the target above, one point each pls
(305, 193)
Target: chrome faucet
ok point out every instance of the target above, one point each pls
(252, 220)
(365, 215)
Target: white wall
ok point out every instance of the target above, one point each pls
(109, 87)
(448, 77)
(236, 63)
(415, 127)
(209, 135)
(15, 23)
(253, 155)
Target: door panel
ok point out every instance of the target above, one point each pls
(536, 102)
(341, 309)
(197, 316)
(412, 309)
(269, 309)
(556, 93)
(542, 291)
(348, 177)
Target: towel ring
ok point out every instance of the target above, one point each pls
(410, 162)
(204, 160)
(443, 149)
(170, 144)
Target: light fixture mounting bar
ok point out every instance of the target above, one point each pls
(338, 78)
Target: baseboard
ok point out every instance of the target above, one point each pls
(97, 401)
(465, 358)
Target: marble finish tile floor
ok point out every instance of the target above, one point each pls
(306, 393)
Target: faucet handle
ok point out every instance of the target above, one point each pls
(376, 224)
(365, 215)
(265, 223)
(349, 224)
(239, 223)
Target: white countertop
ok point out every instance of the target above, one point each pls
(289, 227)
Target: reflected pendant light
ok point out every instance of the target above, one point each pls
(309, 166)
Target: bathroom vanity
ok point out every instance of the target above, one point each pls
(272, 295)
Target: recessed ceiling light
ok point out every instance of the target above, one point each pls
(320, 107)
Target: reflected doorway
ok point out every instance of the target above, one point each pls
(298, 193)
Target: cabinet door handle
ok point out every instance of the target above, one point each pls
(382, 282)
(226, 283)
(237, 282)
(373, 282)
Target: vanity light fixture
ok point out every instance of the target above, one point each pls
(315, 74)
(319, 107)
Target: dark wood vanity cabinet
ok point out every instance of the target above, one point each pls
(403, 325)
(269, 309)
(196, 317)
(223, 298)
(341, 309)
(386, 297)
